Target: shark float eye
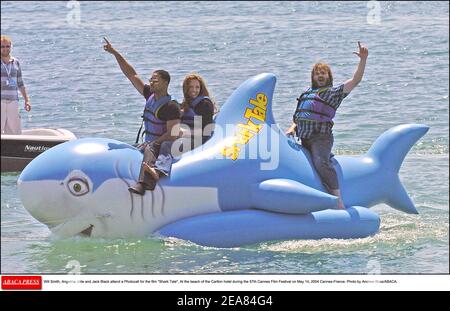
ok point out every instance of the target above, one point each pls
(78, 186)
(78, 183)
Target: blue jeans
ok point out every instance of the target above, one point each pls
(319, 145)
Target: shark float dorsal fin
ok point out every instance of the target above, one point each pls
(251, 101)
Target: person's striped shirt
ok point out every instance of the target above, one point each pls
(11, 79)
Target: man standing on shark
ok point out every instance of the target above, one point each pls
(161, 116)
(313, 118)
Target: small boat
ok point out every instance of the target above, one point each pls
(18, 150)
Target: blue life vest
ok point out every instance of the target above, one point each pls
(311, 106)
(188, 116)
(154, 127)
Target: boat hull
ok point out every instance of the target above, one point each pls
(19, 150)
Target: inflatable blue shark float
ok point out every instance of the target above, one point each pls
(249, 183)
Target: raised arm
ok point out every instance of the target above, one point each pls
(126, 68)
(350, 84)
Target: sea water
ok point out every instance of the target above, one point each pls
(74, 84)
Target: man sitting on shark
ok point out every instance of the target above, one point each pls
(313, 117)
(161, 119)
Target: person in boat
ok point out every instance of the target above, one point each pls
(12, 82)
(161, 120)
(313, 118)
(197, 109)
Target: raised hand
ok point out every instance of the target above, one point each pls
(107, 46)
(350, 84)
(363, 51)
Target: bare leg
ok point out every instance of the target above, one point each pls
(337, 192)
(153, 173)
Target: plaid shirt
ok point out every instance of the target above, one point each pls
(333, 96)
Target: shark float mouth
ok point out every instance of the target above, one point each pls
(243, 186)
(86, 232)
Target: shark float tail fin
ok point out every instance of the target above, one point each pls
(390, 149)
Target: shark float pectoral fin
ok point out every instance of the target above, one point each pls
(290, 197)
(246, 227)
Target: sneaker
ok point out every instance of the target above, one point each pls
(149, 183)
(137, 188)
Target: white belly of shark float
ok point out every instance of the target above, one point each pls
(249, 183)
